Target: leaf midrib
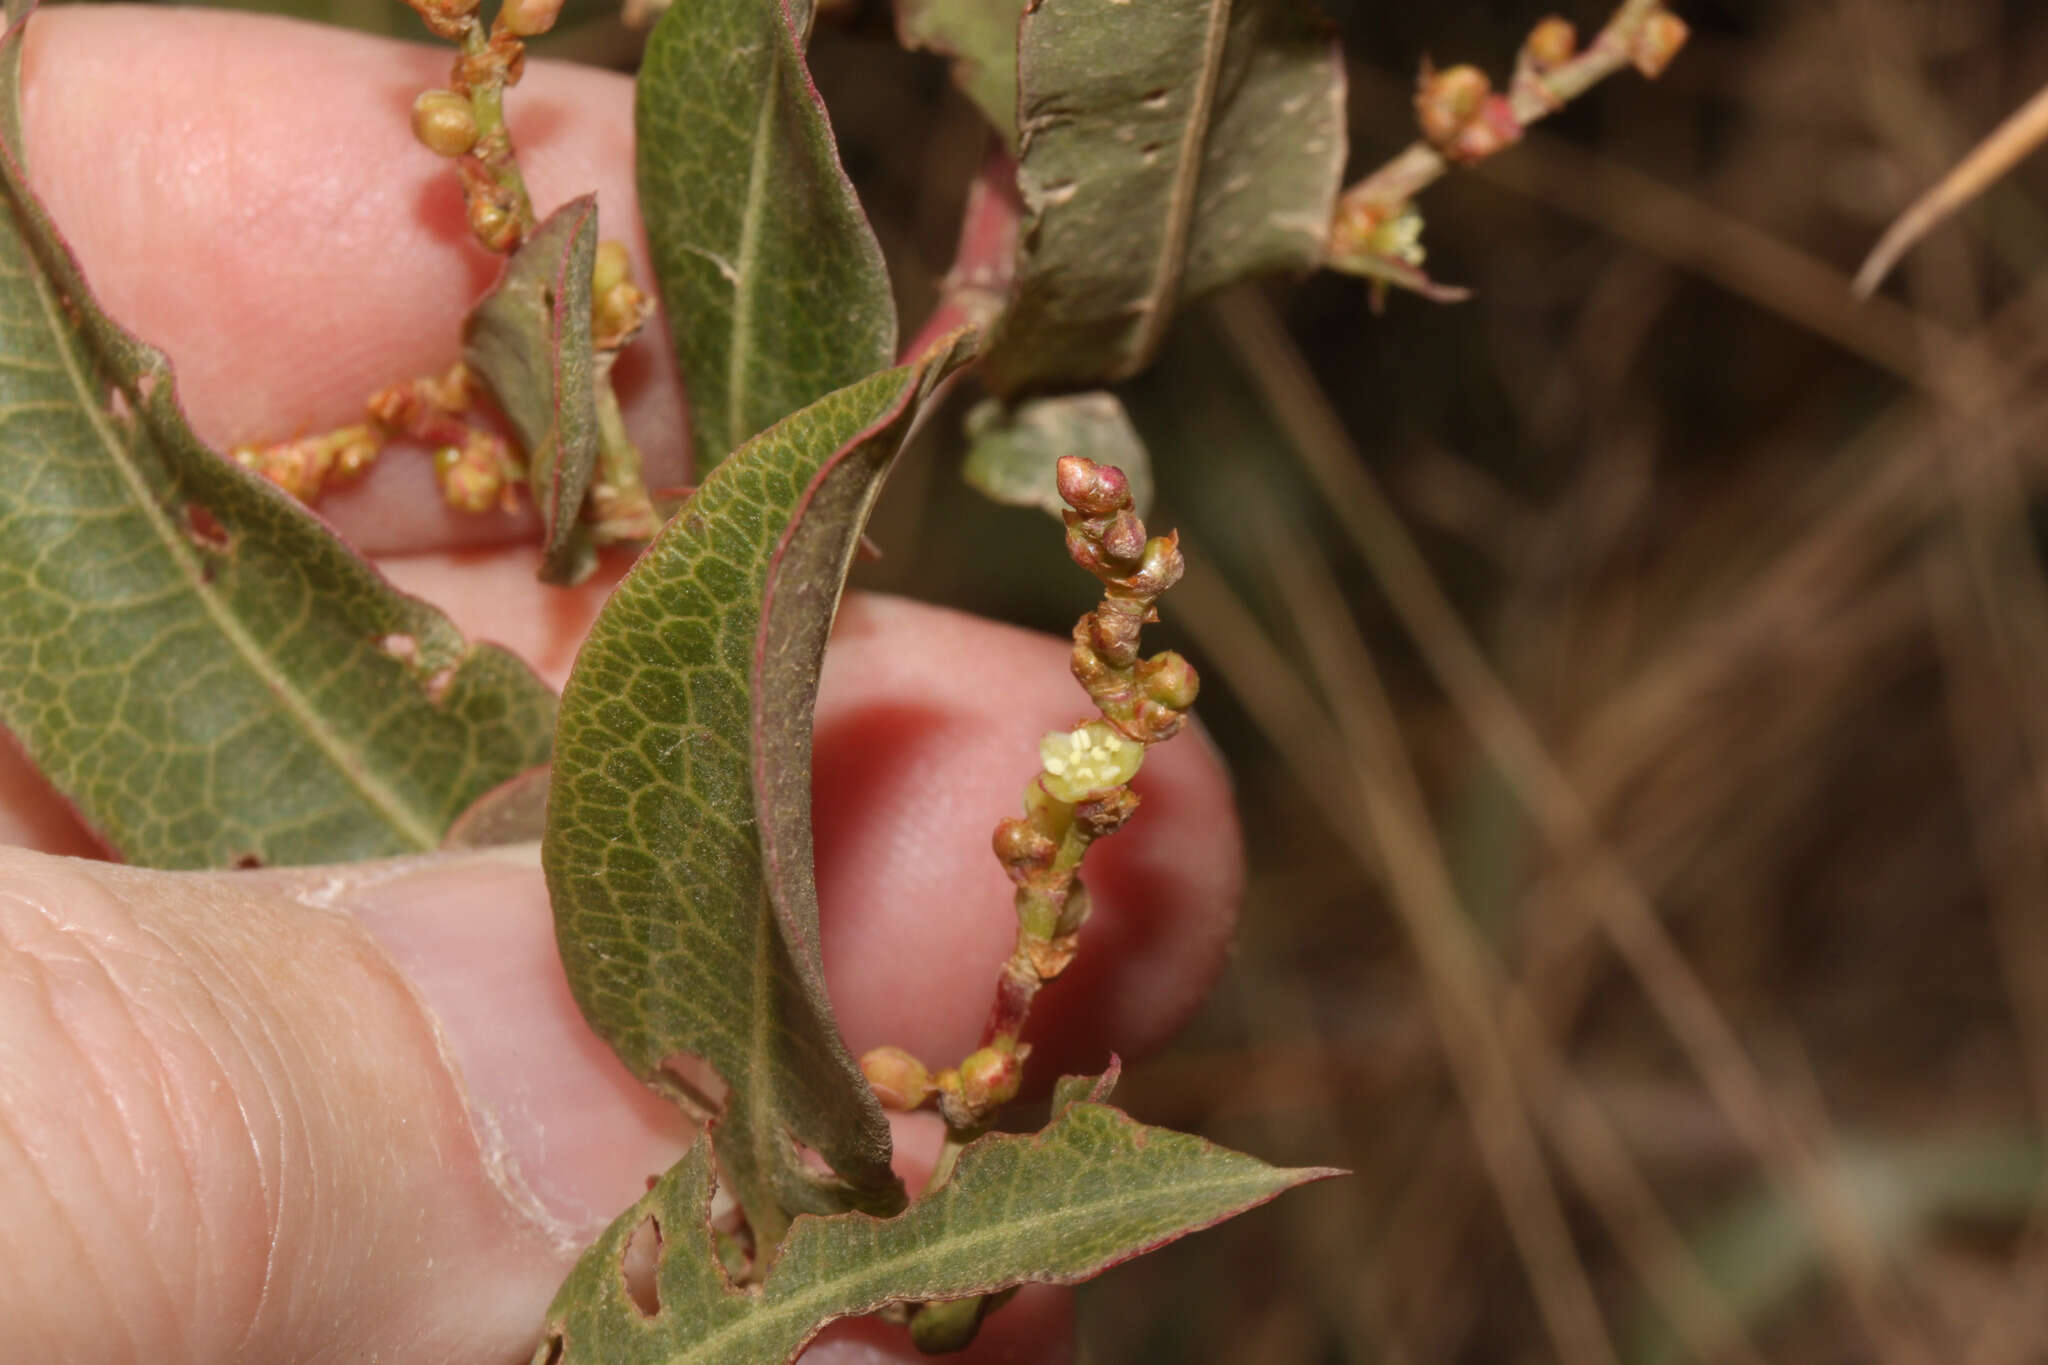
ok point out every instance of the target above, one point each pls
(807, 1306)
(742, 294)
(1187, 177)
(380, 798)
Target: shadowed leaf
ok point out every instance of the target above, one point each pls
(513, 812)
(1013, 453)
(208, 674)
(981, 38)
(678, 849)
(529, 338)
(773, 280)
(1165, 149)
(1059, 1206)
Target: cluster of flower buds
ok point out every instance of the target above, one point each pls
(1146, 700)
(308, 466)
(1462, 116)
(476, 469)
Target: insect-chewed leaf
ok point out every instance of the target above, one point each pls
(1013, 452)
(678, 848)
(1165, 150)
(773, 280)
(1059, 1206)
(529, 338)
(209, 675)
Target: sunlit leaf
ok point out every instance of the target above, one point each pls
(1165, 149)
(1013, 452)
(774, 284)
(678, 849)
(529, 338)
(203, 669)
(1059, 1206)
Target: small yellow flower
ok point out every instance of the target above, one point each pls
(1088, 760)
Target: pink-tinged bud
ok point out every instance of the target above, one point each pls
(529, 18)
(444, 122)
(1657, 42)
(1161, 565)
(496, 228)
(446, 18)
(1092, 489)
(1493, 128)
(1551, 44)
(899, 1080)
(990, 1078)
(1123, 540)
(1447, 100)
(1170, 680)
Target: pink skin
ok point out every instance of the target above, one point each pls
(351, 1113)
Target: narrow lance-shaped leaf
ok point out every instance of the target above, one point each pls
(678, 849)
(1013, 452)
(1091, 1190)
(529, 338)
(191, 657)
(1165, 149)
(773, 280)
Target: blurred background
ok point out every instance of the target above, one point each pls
(1637, 684)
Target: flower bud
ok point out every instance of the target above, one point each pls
(943, 1328)
(474, 476)
(1445, 101)
(989, 1078)
(610, 268)
(1657, 42)
(1092, 489)
(1020, 846)
(1551, 44)
(1170, 680)
(899, 1080)
(529, 18)
(1161, 564)
(444, 122)
(1123, 541)
(496, 228)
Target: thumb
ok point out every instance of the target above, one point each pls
(236, 1129)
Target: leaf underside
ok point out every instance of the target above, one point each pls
(529, 338)
(1166, 149)
(1091, 1190)
(206, 672)
(773, 281)
(678, 848)
(1013, 452)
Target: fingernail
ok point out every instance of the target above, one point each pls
(570, 1136)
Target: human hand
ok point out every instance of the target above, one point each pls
(352, 1112)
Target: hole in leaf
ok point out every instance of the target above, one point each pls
(437, 684)
(693, 1085)
(117, 404)
(400, 646)
(205, 528)
(1154, 99)
(145, 385)
(637, 1266)
(808, 1155)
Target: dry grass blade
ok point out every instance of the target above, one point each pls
(2003, 148)
(1592, 1150)
(1381, 826)
(1618, 905)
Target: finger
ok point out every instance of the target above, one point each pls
(273, 226)
(250, 1064)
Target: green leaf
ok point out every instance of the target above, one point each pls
(773, 280)
(1013, 453)
(1091, 1190)
(529, 338)
(197, 664)
(678, 849)
(981, 38)
(1166, 149)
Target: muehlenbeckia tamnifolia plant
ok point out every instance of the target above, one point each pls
(1140, 156)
